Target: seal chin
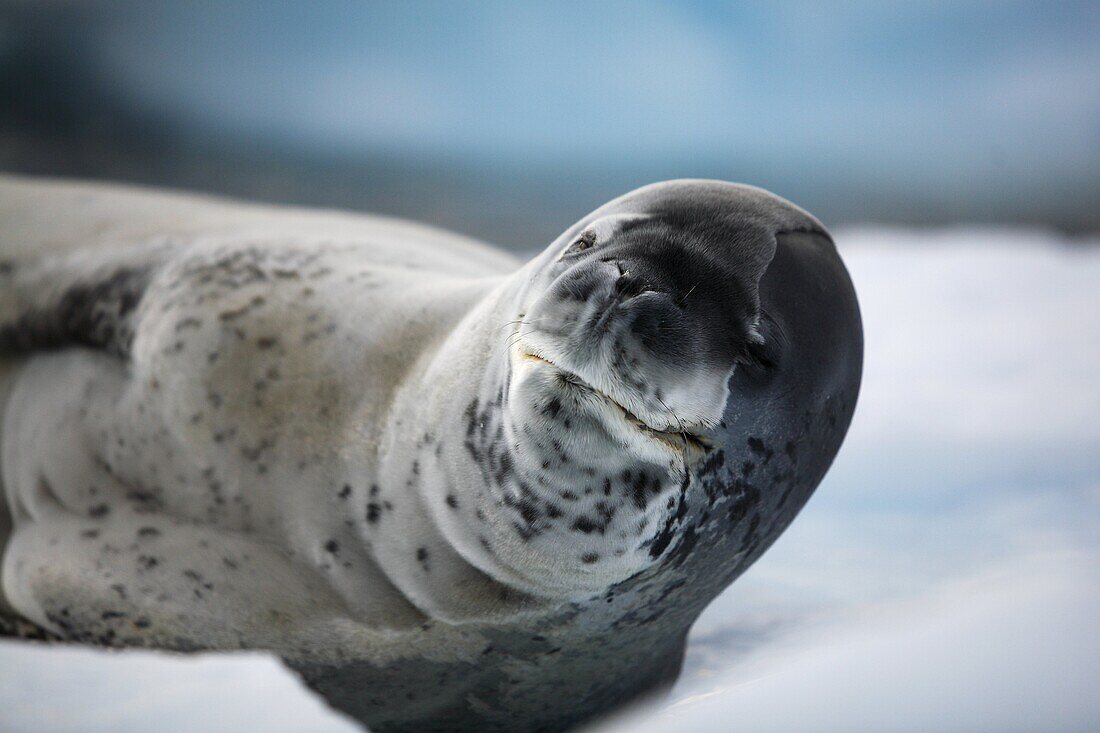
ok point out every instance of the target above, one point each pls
(665, 432)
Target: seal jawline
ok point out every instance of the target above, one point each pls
(684, 437)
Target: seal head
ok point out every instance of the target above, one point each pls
(604, 392)
(654, 302)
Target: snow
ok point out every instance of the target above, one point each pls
(944, 577)
(63, 689)
(1012, 649)
(946, 573)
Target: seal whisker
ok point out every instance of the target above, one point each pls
(516, 338)
(522, 321)
(683, 300)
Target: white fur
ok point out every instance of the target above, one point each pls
(226, 476)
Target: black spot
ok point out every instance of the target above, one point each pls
(373, 512)
(332, 546)
(147, 498)
(344, 492)
(95, 314)
(589, 557)
(528, 511)
(525, 531)
(148, 532)
(757, 446)
(638, 492)
(98, 511)
(452, 501)
(714, 461)
(687, 544)
(586, 525)
(664, 538)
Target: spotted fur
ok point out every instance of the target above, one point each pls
(363, 442)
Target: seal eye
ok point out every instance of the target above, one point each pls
(585, 241)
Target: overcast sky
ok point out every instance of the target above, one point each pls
(927, 85)
(995, 104)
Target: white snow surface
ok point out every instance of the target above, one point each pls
(946, 575)
(65, 688)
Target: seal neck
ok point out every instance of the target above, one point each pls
(502, 498)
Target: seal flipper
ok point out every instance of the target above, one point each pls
(85, 299)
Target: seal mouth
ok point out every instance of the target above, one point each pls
(679, 439)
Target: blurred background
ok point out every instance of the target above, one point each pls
(509, 120)
(946, 574)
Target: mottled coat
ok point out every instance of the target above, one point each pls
(452, 491)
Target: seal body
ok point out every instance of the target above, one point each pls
(451, 489)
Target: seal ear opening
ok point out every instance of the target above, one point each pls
(763, 350)
(763, 357)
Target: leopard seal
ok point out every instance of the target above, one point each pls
(452, 490)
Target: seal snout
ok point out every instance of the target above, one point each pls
(626, 304)
(654, 299)
(620, 326)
